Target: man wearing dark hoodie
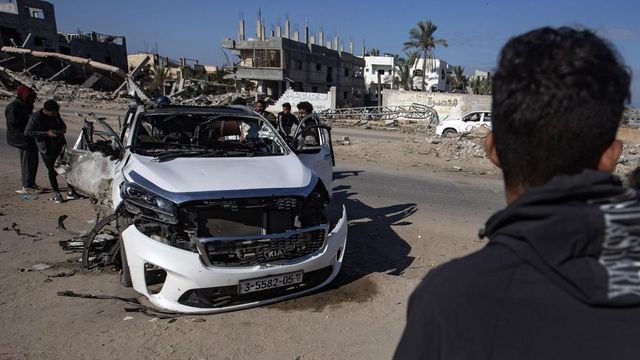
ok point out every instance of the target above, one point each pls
(17, 114)
(47, 127)
(560, 275)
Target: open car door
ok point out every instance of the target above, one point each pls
(90, 165)
(312, 143)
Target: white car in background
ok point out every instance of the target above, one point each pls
(467, 123)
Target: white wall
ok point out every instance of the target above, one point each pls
(447, 105)
(320, 101)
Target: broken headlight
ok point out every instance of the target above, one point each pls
(140, 201)
(314, 208)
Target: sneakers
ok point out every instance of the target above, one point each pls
(57, 198)
(29, 190)
(72, 195)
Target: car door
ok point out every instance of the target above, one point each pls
(471, 121)
(486, 119)
(90, 164)
(319, 157)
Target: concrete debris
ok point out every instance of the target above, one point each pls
(40, 267)
(71, 69)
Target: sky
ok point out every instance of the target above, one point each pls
(474, 30)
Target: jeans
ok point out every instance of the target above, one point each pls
(29, 167)
(49, 158)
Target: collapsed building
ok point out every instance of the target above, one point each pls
(31, 24)
(304, 63)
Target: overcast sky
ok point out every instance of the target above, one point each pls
(475, 30)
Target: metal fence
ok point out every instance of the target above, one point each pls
(413, 111)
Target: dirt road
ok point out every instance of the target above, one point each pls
(404, 220)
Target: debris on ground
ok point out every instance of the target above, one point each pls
(40, 267)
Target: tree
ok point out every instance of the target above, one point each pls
(404, 75)
(459, 80)
(374, 52)
(481, 86)
(158, 74)
(421, 38)
(412, 56)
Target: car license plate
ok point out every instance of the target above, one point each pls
(269, 282)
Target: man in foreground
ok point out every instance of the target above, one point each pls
(47, 127)
(560, 276)
(17, 114)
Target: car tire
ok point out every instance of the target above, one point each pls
(449, 132)
(125, 275)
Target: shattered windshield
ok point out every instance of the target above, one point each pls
(167, 136)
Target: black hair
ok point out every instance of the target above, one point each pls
(239, 101)
(51, 105)
(306, 106)
(558, 98)
(286, 106)
(261, 102)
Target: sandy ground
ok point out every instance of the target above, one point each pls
(411, 207)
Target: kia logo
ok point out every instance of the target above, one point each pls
(274, 252)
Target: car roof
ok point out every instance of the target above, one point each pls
(180, 109)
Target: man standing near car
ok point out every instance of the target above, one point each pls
(48, 129)
(286, 119)
(17, 114)
(261, 107)
(560, 275)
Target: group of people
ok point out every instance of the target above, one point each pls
(32, 133)
(285, 120)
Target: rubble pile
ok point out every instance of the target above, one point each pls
(209, 99)
(629, 160)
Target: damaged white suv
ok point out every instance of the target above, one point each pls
(216, 211)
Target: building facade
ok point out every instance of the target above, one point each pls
(378, 65)
(436, 75)
(280, 62)
(28, 23)
(31, 24)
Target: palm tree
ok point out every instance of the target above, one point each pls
(481, 86)
(404, 75)
(421, 38)
(158, 75)
(459, 80)
(412, 56)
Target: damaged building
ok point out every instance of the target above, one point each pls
(31, 24)
(305, 63)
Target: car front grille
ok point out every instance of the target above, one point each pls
(244, 252)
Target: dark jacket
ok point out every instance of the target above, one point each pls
(38, 126)
(286, 122)
(17, 114)
(559, 279)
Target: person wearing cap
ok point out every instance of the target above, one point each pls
(17, 114)
(48, 129)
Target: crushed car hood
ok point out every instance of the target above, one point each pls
(188, 179)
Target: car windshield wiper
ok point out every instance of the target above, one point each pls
(175, 153)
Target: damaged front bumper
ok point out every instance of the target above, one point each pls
(191, 286)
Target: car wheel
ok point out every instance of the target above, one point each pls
(449, 133)
(125, 275)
